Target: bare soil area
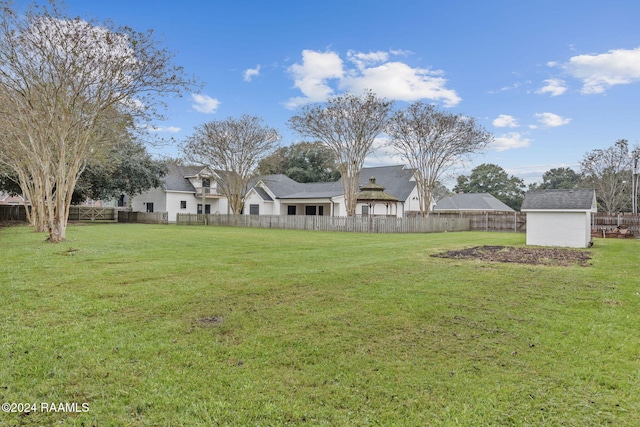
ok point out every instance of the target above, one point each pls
(532, 256)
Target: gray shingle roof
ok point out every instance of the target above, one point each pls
(395, 179)
(176, 177)
(577, 199)
(471, 202)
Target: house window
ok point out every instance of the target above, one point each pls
(321, 210)
(199, 208)
(365, 210)
(149, 206)
(310, 210)
(207, 209)
(254, 209)
(291, 210)
(206, 182)
(183, 204)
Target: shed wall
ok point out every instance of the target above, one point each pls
(568, 229)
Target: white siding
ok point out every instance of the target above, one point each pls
(155, 196)
(266, 207)
(561, 228)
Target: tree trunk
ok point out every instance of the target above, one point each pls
(57, 231)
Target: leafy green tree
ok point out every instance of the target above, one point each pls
(8, 180)
(127, 168)
(302, 162)
(558, 179)
(492, 179)
(440, 191)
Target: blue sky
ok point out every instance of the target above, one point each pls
(551, 80)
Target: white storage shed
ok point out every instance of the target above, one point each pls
(559, 217)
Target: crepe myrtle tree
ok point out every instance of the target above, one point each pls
(234, 147)
(609, 171)
(348, 125)
(431, 142)
(63, 81)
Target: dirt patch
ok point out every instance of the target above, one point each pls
(531, 256)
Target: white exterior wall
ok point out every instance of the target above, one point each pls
(559, 228)
(266, 207)
(170, 202)
(155, 196)
(173, 204)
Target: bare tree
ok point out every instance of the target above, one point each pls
(348, 125)
(233, 147)
(431, 141)
(62, 83)
(609, 172)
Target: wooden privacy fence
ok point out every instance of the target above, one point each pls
(76, 213)
(362, 224)
(607, 222)
(89, 213)
(13, 213)
(490, 221)
(143, 217)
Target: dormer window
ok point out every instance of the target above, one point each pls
(206, 182)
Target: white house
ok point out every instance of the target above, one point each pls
(280, 195)
(559, 217)
(185, 189)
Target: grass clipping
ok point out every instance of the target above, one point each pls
(531, 256)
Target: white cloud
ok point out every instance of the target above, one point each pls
(505, 121)
(551, 120)
(204, 103)
(250, 73)
(158, 129)
(396, 80)
(363, 59)
(311, 76)
(554, 87)
(508, 141)
(374, 71)
(600, 72)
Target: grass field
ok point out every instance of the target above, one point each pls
(185, 326)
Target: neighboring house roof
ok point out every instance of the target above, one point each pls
(397, 181)
(577, 199)
(471, 202)
(8, 199)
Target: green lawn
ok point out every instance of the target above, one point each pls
(185, 326)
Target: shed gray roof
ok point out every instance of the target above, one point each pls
(577, 199)
(471, 202)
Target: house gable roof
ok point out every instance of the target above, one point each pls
(471, 202)
(577, 199)
(397, 181)
(175, 179)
